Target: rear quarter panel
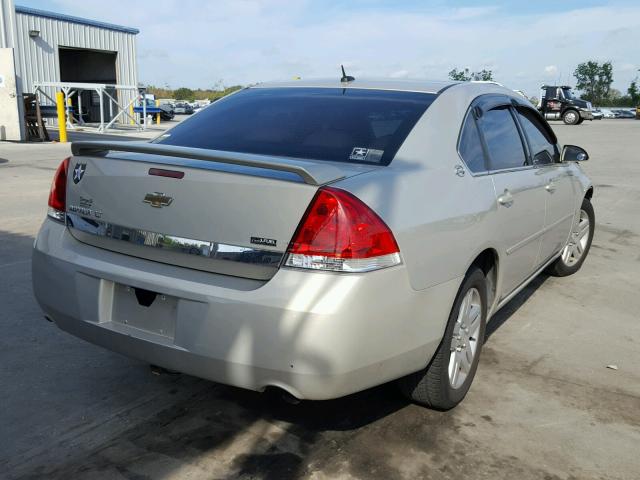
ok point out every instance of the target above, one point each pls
(441, 221)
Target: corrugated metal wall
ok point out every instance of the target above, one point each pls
(7, 25)
(37, 58)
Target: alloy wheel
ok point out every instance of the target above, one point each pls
(572, 253)
(464, 342)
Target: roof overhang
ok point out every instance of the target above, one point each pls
(71, 19)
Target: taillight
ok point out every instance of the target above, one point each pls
(340, 233)
(58, 192)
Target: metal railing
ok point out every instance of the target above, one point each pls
(117, 111)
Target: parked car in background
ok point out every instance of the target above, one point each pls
(623, 113)
(320, 237)
(183, 108)
(608, 113)
(166, 110)
(597, 114)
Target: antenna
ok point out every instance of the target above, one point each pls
(346, 78)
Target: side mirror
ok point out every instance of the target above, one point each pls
(573, 153)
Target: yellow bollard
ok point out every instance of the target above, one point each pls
(158, 114)
(131, 114)
(62, 117)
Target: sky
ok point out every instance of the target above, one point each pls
(204, 43)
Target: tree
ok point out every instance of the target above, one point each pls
(466, 75)
(594, 80)
(634, 92)
(184, 94)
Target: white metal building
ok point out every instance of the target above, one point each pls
(51, 47)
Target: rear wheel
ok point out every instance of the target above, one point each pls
(447, 379)
(571, 117)
(575, 252)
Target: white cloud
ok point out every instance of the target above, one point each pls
(256, 40)
(551, 70)
(400, 74)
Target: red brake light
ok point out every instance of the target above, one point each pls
(58, 192)
(339, 232)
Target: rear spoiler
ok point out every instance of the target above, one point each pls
(312, 173)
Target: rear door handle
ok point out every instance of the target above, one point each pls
(506, 199)
(550, 187)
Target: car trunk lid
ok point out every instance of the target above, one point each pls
(222, 212)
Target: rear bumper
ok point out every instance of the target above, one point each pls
(316, 335)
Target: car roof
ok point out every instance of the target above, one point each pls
(406, 85)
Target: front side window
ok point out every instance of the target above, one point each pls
(334, 124)
(503, 140)
(470, 146)
(543, 147)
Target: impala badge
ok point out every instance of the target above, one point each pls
(157, 199)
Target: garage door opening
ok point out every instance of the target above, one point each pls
(89, 66)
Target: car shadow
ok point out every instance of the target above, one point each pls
(505, 313)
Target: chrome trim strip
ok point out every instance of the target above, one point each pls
(175, 244)
(531, 238)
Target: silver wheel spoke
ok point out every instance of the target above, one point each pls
(584, 230)
(474, 319)
(464, 308)
(467, 360)
(454, 368)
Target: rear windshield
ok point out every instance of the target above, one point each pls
(334, 124)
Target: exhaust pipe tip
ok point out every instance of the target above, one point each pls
(276, 393)
(288, 398)
(156, 370)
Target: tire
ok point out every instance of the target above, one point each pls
(580, 121)
(579, 242)
(571, 117)
(432, 386)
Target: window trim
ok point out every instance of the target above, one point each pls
(487, 102)
(470, 113)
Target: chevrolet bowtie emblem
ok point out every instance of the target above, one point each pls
(157, 199)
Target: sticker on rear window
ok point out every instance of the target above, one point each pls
(361, 154)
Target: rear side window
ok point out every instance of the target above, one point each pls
(334, 124)
(543, 147)
(470, 146)
(503, 140)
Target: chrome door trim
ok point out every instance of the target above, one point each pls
(149, 244)
(531, 238)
